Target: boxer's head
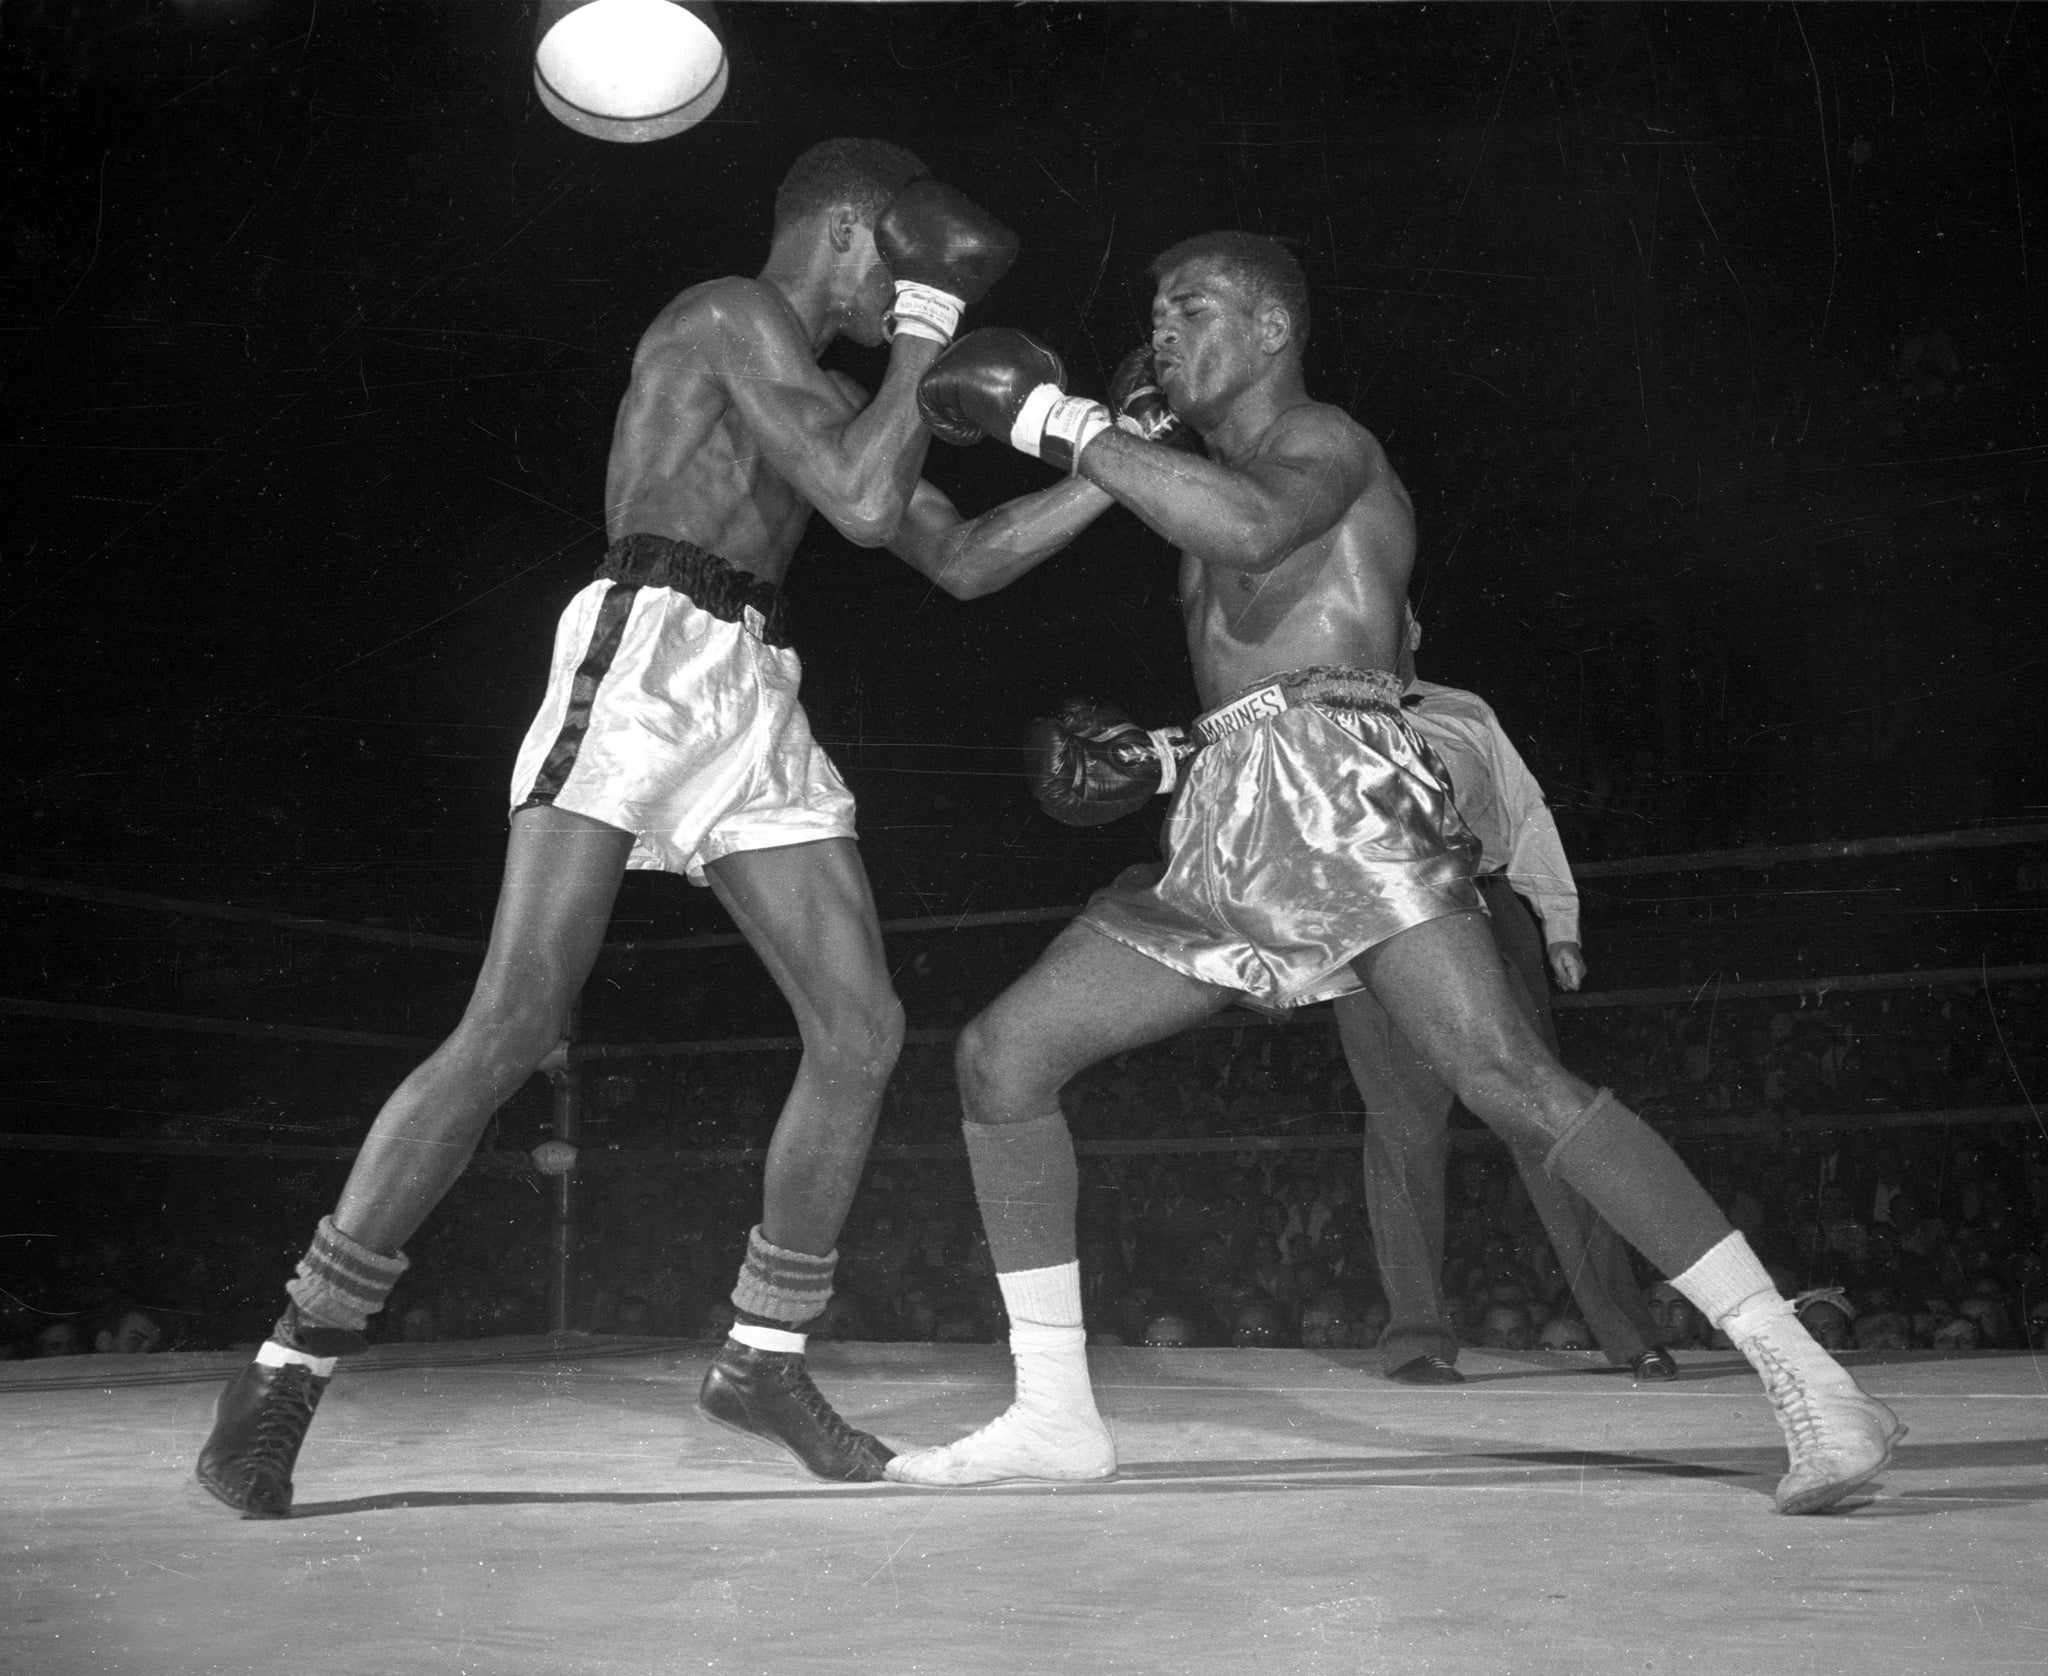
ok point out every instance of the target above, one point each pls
(860, 175)
(832, 195)
(1227, 308)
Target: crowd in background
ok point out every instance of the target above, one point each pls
(1922, 1234)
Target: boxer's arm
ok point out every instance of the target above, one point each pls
(970, 557)
(1307, 474)
(856, 465)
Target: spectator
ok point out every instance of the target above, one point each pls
(123, 1330)
(60, 1338)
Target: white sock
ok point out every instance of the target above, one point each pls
(768, 1338)
(1049, 1297)
(271, 1354)
(1725, 1279)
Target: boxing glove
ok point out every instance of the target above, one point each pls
(1090, 763)
(1002, 382)
(944, 251)
(1141, 406)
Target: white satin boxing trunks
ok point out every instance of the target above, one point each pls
(1312, 825)
(671, 713)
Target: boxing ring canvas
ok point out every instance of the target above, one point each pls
(557, 1506)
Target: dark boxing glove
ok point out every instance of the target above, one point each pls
(1002, 382)
(1090, 763)
(944, 251)
(1141, 406)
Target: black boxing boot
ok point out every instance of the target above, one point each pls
(260, 1419)
(768, 1393)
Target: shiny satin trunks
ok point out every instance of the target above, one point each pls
(671, 713)
(1313, 825)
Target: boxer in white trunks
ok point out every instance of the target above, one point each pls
(671, 738)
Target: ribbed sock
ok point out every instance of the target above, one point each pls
(778, 1293)
(1627, 1172)
(340, 1283)
(1028, 1187)
(1724, 1279)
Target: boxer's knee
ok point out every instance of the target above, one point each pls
(1524, 1098)
(856, 1038)
(502, 1037)
(1002, 1076)
(974, 1062)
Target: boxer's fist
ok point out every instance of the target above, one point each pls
(944, 251)
(980, 384)
(1090, 763)
(1141, 407)
(1002, 382)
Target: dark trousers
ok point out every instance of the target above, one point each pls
(1407, 1144)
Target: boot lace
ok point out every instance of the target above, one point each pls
(280, 1427)
(796, 1380)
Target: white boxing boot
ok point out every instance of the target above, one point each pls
(1050, 1433)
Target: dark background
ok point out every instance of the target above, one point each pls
(1705, 338)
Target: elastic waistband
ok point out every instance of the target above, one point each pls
(713, 584)
(1332, 686)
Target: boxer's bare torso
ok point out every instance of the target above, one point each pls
(1295, 537)
(713, 439)
(1335, 599)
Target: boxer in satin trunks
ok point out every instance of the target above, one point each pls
(671, 713)
(1313, 833)
(671, 738)
(1301, 838)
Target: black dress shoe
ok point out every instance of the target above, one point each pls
(1426, 1370)
(769, 1393)
(1654, 1363)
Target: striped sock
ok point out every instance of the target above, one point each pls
(340, 1283)
(779, 1291)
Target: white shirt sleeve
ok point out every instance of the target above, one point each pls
(1537, 867)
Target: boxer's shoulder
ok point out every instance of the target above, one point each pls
(732, 309)
(1318, 428)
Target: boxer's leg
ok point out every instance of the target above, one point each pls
(1407, 1144)
(1592, 1255)
(1087, 998)
(807, 911)
(561, 874)
(1442, 984)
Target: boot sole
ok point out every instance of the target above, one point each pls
(227, 1497)
(740, 1429)
(1824, 1496)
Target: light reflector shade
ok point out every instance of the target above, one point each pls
(627, 70)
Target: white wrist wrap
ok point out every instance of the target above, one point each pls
(924, 312)
(1073, 423)
(1169, 761)
(1027, 430)
(1054, 426)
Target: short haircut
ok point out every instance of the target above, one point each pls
(863, 173)
(1263, 268)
